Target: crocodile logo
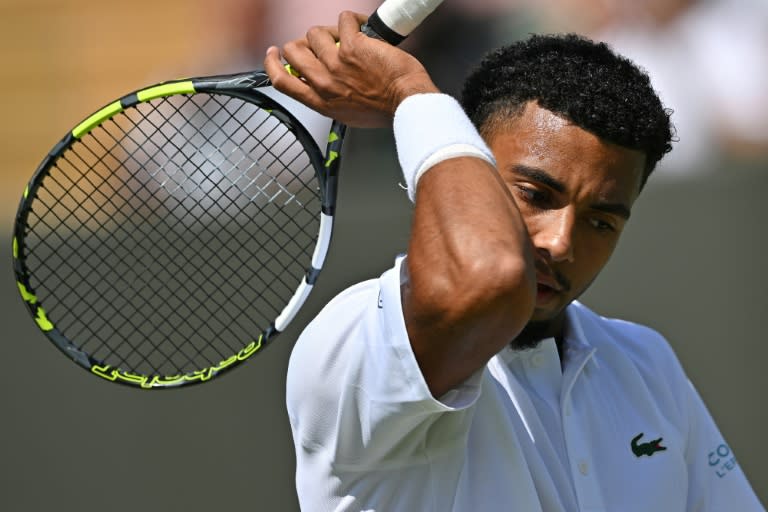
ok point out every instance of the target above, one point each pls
(649, 448)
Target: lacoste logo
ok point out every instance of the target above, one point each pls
(649, 448)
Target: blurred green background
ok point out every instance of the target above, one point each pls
(691, 263)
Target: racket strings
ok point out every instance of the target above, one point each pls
(90, 314)
(276, 276)
(164, 253)
(295, 179)
(232, 117)
(222, 106)
(115, 312)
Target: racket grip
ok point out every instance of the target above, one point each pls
(376, 29)
(395, 19)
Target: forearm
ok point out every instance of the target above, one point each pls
(471, 284)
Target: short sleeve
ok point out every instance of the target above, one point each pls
(716, 481)
(355, 393)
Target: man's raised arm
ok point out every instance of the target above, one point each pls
(471, 284)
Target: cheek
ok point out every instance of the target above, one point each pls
(534, 219)
(592, 250)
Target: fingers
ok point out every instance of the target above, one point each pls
(350, 83)
(317, 52)
(302, 58)
(290, 84)
(274, 66)
(272, 63)
(310, 60)
(320, 38)
(309, 56)
(349, 25)
(323, 43)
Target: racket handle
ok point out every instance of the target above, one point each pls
(395, 19)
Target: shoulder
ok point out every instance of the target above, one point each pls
(357, 311)
(638, 361)
(648, 349)
(358, 331)
(321, 345)
(319, 361)
(344, 308)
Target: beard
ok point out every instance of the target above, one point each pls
(536, 331)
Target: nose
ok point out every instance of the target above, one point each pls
(554, 235)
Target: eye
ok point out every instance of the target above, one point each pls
(602, 225)
(532, 195)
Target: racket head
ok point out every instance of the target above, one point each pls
(172, 234)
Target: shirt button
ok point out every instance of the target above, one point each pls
(583, 467)
(537, 360)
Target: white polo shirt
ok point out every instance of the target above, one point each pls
(619, 429)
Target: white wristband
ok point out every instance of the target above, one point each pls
(431, 128)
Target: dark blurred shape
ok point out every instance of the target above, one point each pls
(707, 58)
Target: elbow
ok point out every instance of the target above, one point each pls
(496, 290)
(500, 289)
(457, 320)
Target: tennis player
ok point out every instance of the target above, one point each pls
(468, 377)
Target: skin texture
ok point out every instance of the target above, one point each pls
(491, 249)
(359, 82)
(575, 193)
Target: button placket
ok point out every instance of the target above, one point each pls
(576, 439)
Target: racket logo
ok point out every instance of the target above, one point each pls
(113, 374)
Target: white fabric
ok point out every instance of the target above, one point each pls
(519, 436)
(431, 128)
(442, 154)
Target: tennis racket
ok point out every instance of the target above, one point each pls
(172, 234)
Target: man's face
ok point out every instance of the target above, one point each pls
(574, 192)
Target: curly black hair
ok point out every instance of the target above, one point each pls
(575, 78)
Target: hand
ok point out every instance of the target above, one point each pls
(359, 81)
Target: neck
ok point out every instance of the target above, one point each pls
(536, 331)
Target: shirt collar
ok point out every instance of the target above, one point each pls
(577, 344)
(578, 349)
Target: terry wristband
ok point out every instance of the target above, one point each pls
(431, 128)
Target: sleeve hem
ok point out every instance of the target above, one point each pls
(461, 397)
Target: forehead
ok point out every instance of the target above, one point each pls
(537, 138)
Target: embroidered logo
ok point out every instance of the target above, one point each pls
(649, 448)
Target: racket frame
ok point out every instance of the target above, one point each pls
(244, 86)
(392, 22)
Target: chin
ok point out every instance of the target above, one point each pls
(548, 314)
(548, 319)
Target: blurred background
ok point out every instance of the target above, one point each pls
(690, 263)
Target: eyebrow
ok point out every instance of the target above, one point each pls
(613, 208)
(543, 177)
(536, 174)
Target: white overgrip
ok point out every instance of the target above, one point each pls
(402, 16)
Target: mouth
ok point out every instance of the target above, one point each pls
(547, 288)
(545, 294)
(548, 282)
